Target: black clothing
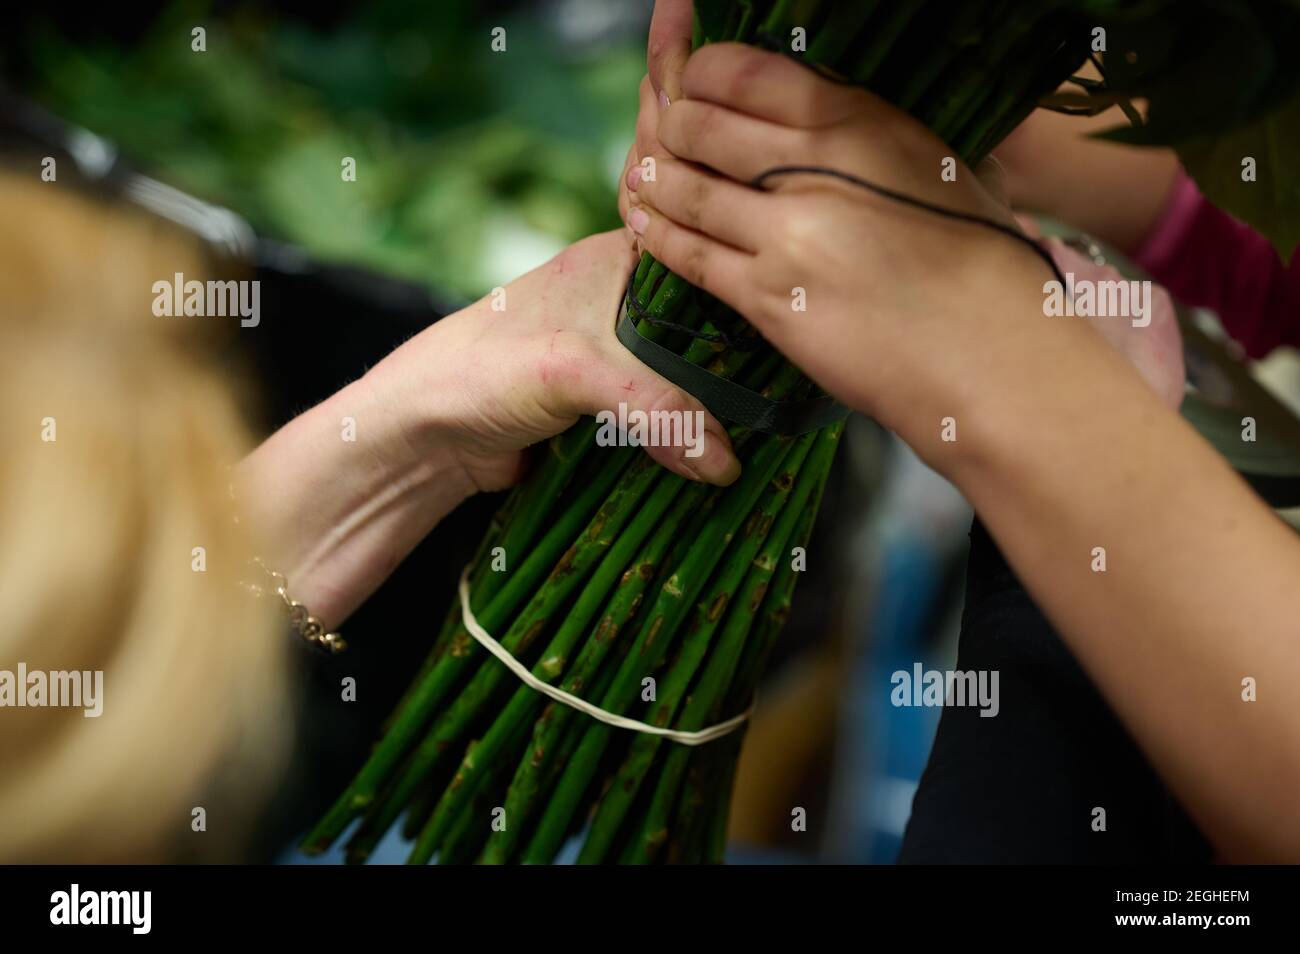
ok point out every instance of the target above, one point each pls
(1021, 787)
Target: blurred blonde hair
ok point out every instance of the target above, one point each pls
(98, 530)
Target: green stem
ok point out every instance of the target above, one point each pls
(844, 24)
(766, 598)
(570, 573)
(447, 673)
(549, 668)
(881, 42)
(550, 742)
(671, 606)
(695, 643)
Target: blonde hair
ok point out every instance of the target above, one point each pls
(98, 534)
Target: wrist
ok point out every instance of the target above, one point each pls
(994, 341)
(416, 390)
(343, 492)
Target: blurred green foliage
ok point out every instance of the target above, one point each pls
(472, 165)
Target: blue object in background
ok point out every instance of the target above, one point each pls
(920, 528)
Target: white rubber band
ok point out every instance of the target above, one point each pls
(582, 705)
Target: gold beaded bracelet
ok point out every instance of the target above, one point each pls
(309, 627)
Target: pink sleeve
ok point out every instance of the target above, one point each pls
(1205, 257)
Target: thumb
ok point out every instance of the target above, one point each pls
(669, 46)
(632, 404)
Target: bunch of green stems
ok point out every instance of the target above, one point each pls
(622, 575)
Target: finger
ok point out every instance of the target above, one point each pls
(647, 121)
(626, 396)
(624, 198)
(699, 200)
(770, 86)
(703, 261)
(734, 144)
(669, 46)
(645, 146)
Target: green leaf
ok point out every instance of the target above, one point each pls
(1211, 67)
(1271, 204)
(710, 20)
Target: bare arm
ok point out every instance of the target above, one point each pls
(1054, 166)
(345, 491)
(1202, 582)
(1060, 445)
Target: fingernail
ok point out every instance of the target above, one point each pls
(717, 464)
(663, 100)
(637, 220)
(634, 176)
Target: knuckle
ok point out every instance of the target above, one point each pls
(751, 68)
(772, 310)
(694, 263)
(694, 193)
(658, 48)
(669, 398)
(891, 138)
(793, 232)
(690, 123)
(562, 359)
(556, 371)
(807, 144)
(652, 169)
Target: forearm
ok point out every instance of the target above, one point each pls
(1114, 192)
(343, 492)
(1201, 580)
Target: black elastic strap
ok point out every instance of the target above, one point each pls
(717, 337)
(727, 399)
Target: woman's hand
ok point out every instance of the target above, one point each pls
(667, 50)
(1066, 454)
(908, 292)
(523, 363)
(904, 312)
(345, 490)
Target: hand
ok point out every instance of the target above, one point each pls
(344, 491)
(930, 303)
(488, 383)
(669, 47)
(901, 287)
(667, 51)
(645, 146)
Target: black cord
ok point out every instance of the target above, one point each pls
(760, 180)
(720, 337)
